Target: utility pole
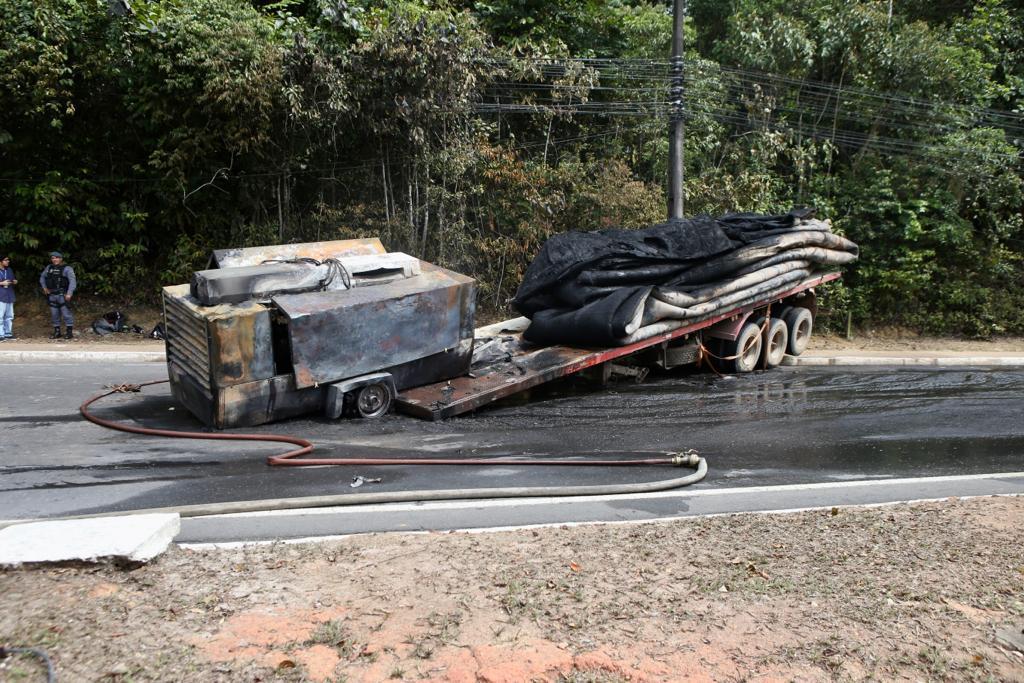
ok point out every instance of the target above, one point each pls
(675, 126)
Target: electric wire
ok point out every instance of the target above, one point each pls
(901, 111)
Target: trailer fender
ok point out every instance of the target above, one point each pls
(728, 329)
(334, 397)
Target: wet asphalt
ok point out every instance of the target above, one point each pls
(788, 427)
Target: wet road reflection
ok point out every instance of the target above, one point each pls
(790, 425)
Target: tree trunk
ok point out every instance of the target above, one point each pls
(547, 140)
(280, 211)
(384, 185)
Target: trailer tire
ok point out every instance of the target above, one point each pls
(746, 348)
(801, 324)
(373, 400)
(775, 343)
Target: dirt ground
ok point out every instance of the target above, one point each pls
(32, 319)
(895, 342)
(928, 591)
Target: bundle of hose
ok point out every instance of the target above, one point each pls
(629, 285)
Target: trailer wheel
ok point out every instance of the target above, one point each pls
(800, 323)
(746, 348)
(373, 400)
(775, 343)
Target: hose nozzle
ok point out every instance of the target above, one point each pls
(687, 458)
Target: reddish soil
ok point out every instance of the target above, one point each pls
(907, 592)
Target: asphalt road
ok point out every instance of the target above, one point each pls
(792, 437)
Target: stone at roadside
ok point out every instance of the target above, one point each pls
(128, 539)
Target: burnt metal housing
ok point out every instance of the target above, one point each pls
(248, 363)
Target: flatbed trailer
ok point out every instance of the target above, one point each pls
(527, 365)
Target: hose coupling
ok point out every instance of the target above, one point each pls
(687, 458)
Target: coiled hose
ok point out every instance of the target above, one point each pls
(294, 458)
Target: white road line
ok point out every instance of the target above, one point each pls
(228, 545)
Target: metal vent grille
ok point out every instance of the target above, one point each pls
(188, 345)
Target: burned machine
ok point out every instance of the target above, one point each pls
(268, 333)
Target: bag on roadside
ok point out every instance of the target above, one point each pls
(158, 331)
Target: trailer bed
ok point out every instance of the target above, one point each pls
(527, 365)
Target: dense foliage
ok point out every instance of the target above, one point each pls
(137, 136)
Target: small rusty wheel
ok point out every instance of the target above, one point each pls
(373, 400)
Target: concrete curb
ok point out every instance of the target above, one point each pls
(73, 356)
(923, 361)
(78, 356)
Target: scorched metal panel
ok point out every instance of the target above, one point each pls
(342, 334)
(254, 256)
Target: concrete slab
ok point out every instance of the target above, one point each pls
(128, 538)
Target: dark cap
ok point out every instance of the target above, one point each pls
(57, 254)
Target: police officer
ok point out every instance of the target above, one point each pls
(59, 283)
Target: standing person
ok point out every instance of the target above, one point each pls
(7, 282)
(59, 283)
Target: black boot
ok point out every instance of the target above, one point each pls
(56, 333)
(67, 333)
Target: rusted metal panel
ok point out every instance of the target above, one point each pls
(530, 366)
(186, 336)
(462, 394)
(244, 405)
(434, 368)
(190, 393)
(217, 345)
(336, 335)
(254, 256)
(241, 345)
(256, 403)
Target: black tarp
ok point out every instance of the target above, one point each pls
(593, 288)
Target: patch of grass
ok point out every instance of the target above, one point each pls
(19, 671)
(828, 652)
(515, 601)
(934, 661)
(423, 648)
(43, 638)
(335, 634)
(445, 627)
(397, 673)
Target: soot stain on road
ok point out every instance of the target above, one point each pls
(791, 425)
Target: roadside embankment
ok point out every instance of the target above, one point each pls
(926, 591)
